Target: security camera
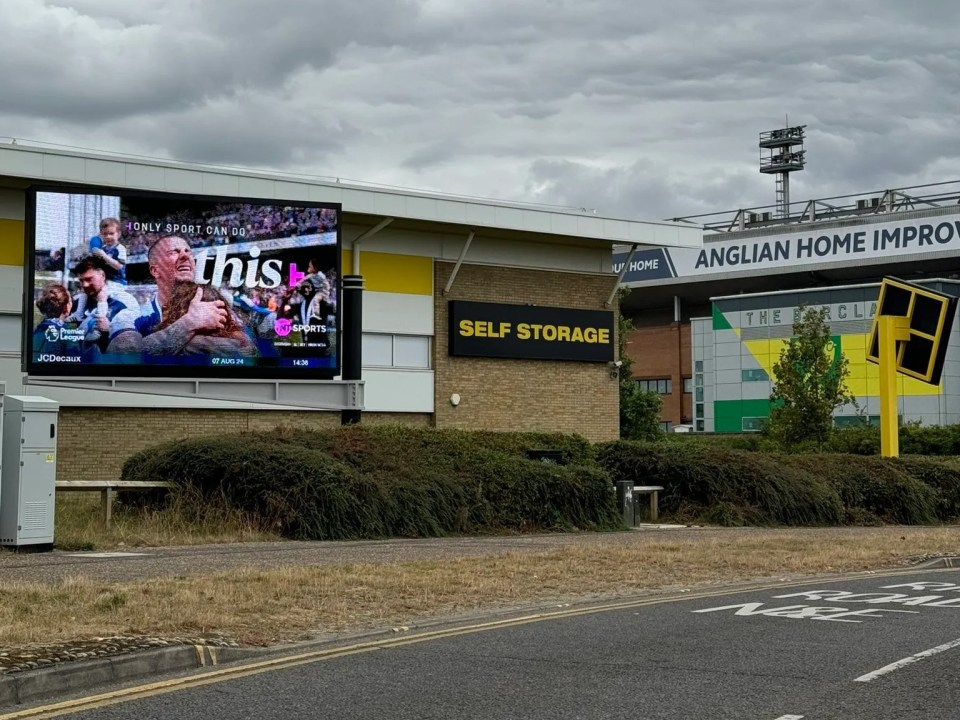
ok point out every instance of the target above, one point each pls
(617, 363)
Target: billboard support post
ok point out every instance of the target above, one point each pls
(352, 338)
(910, 333)
(890, 330)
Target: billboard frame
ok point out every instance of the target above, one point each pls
(161, 373)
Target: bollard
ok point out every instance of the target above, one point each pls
(625, 501)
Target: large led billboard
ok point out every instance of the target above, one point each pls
(125, 283)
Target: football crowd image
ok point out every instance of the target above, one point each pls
(145, 280)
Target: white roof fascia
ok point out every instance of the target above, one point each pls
(829, 288)
(47, 165)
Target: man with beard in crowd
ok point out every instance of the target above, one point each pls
(171, 261)
(107, 314)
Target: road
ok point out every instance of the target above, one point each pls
(878, 647)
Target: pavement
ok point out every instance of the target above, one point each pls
(36, 673)
(127, 564)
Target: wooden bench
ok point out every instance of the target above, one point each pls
(108, 489)
(654, 492)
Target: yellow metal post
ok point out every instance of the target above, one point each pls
(890, 328)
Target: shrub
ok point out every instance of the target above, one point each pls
(854, 440)
(705, 483)
(712, 484)
(380, 481)
(753, 441)
(874, 489)
(382, 443)
(943, 477)
(929, 440)
(362, 482)
(914, 440)
(857, 439)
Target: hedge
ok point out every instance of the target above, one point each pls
(726, 487)
(389, 481)
(396, 481)
(708, 483)
(925, 440)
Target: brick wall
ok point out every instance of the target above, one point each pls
(94, 443)
(496, 394)
(664, 352)
(523, 395)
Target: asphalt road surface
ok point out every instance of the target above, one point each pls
(882, 647)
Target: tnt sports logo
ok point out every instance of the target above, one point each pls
(282, 326)
(52, 334)
(310, 328)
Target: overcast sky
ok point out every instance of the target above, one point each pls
(635, 109)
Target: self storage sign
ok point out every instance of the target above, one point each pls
(529, 332)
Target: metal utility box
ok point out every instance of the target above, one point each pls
(28, 471)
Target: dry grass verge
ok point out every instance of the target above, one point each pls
(263, 607)
(79, 525)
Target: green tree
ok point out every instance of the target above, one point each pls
(639, 409)
(809, 382)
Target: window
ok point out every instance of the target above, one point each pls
(10, 335)
(397, 351)
(699, 394)
(666, 426)
(377, 350)
(687, 385)
(411, 351)
(843, 421)
(754, 375)
(698, 366)
(662, 386)
(752, 424)
(700, 425)
(699, 410)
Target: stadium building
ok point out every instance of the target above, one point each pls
(475, 314)
(710, 321)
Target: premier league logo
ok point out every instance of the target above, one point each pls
(52, 334)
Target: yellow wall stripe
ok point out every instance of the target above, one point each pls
(386, 272)
(11, 242)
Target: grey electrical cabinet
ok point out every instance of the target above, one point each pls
(28, 471)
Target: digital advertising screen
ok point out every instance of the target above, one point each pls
(124, 283)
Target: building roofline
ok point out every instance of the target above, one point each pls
(868, 205)
(36, 162)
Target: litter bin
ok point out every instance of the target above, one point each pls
(626, 503)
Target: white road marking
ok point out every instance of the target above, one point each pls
(790, 717)
(908, 661)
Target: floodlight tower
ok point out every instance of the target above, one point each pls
(781, 153)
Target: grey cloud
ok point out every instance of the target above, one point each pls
(243, 130)
(644, 110)
(645, 189)
(59, 62)
(432, 154)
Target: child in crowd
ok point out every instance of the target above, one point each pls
(55, 305)
(108, 248)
